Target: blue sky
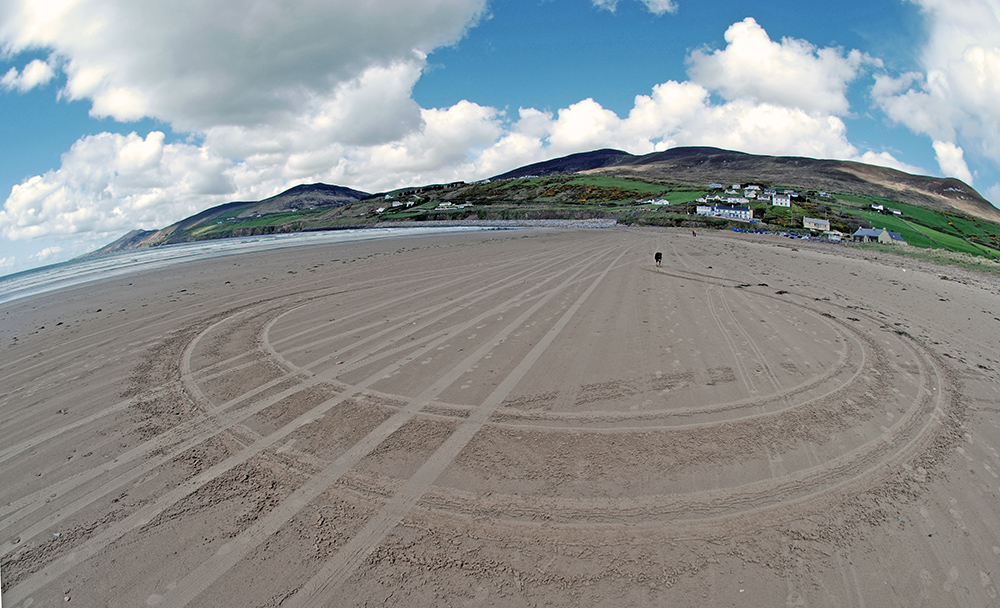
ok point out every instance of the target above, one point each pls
(116, 115)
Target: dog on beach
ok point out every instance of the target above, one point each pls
(658, 257)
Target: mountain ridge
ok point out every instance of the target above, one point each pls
(703, 164)
(696, 165)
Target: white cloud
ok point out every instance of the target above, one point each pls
(657, 7)
(216, 62)
(953, 99)
(916, 103)
(109, 184)
(791, 73)
(886, 159)
(37, 73)
(584, 125)
(682, 113)
(443, 150)
(951, 159)
(992, 194)
(47, 255)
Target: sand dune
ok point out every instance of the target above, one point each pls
(511, 418)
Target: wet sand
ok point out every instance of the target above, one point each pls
(511, 418)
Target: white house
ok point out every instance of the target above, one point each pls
(733, 213)
(781, 200)
(811, 223)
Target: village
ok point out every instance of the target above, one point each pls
(732, 203)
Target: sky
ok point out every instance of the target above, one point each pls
(118, 115)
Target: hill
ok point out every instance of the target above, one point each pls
(614, 184)
(232, 219)
(703, 165)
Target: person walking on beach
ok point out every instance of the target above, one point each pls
(658, 257)
(694, 233)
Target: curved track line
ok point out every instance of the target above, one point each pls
(191, 433)
(856, 468)
(375, 529)
(144, 515)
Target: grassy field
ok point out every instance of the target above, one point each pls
(931, 229)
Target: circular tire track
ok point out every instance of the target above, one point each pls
(301, 373)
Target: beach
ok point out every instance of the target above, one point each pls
(506, 418)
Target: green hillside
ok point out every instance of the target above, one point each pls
(627, 200)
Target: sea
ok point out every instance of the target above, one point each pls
(82, 270)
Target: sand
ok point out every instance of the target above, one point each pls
(514, 418)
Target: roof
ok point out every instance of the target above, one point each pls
(875, 232)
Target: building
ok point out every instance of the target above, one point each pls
(733, 213)
(877, 235)
(811, 223)
(781, 200)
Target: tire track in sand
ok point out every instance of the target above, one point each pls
(374, 531)
(211, 422)
(145, 515)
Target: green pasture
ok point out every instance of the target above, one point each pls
(921, 235)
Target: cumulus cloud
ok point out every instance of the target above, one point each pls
(47, 255)
(951, 159)
(36, 73)
(109, 184)
(886, 159)
(953, 99)
(196, 65)
(792, 73)
(993, 194)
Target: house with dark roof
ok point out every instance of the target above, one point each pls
(877, 235)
